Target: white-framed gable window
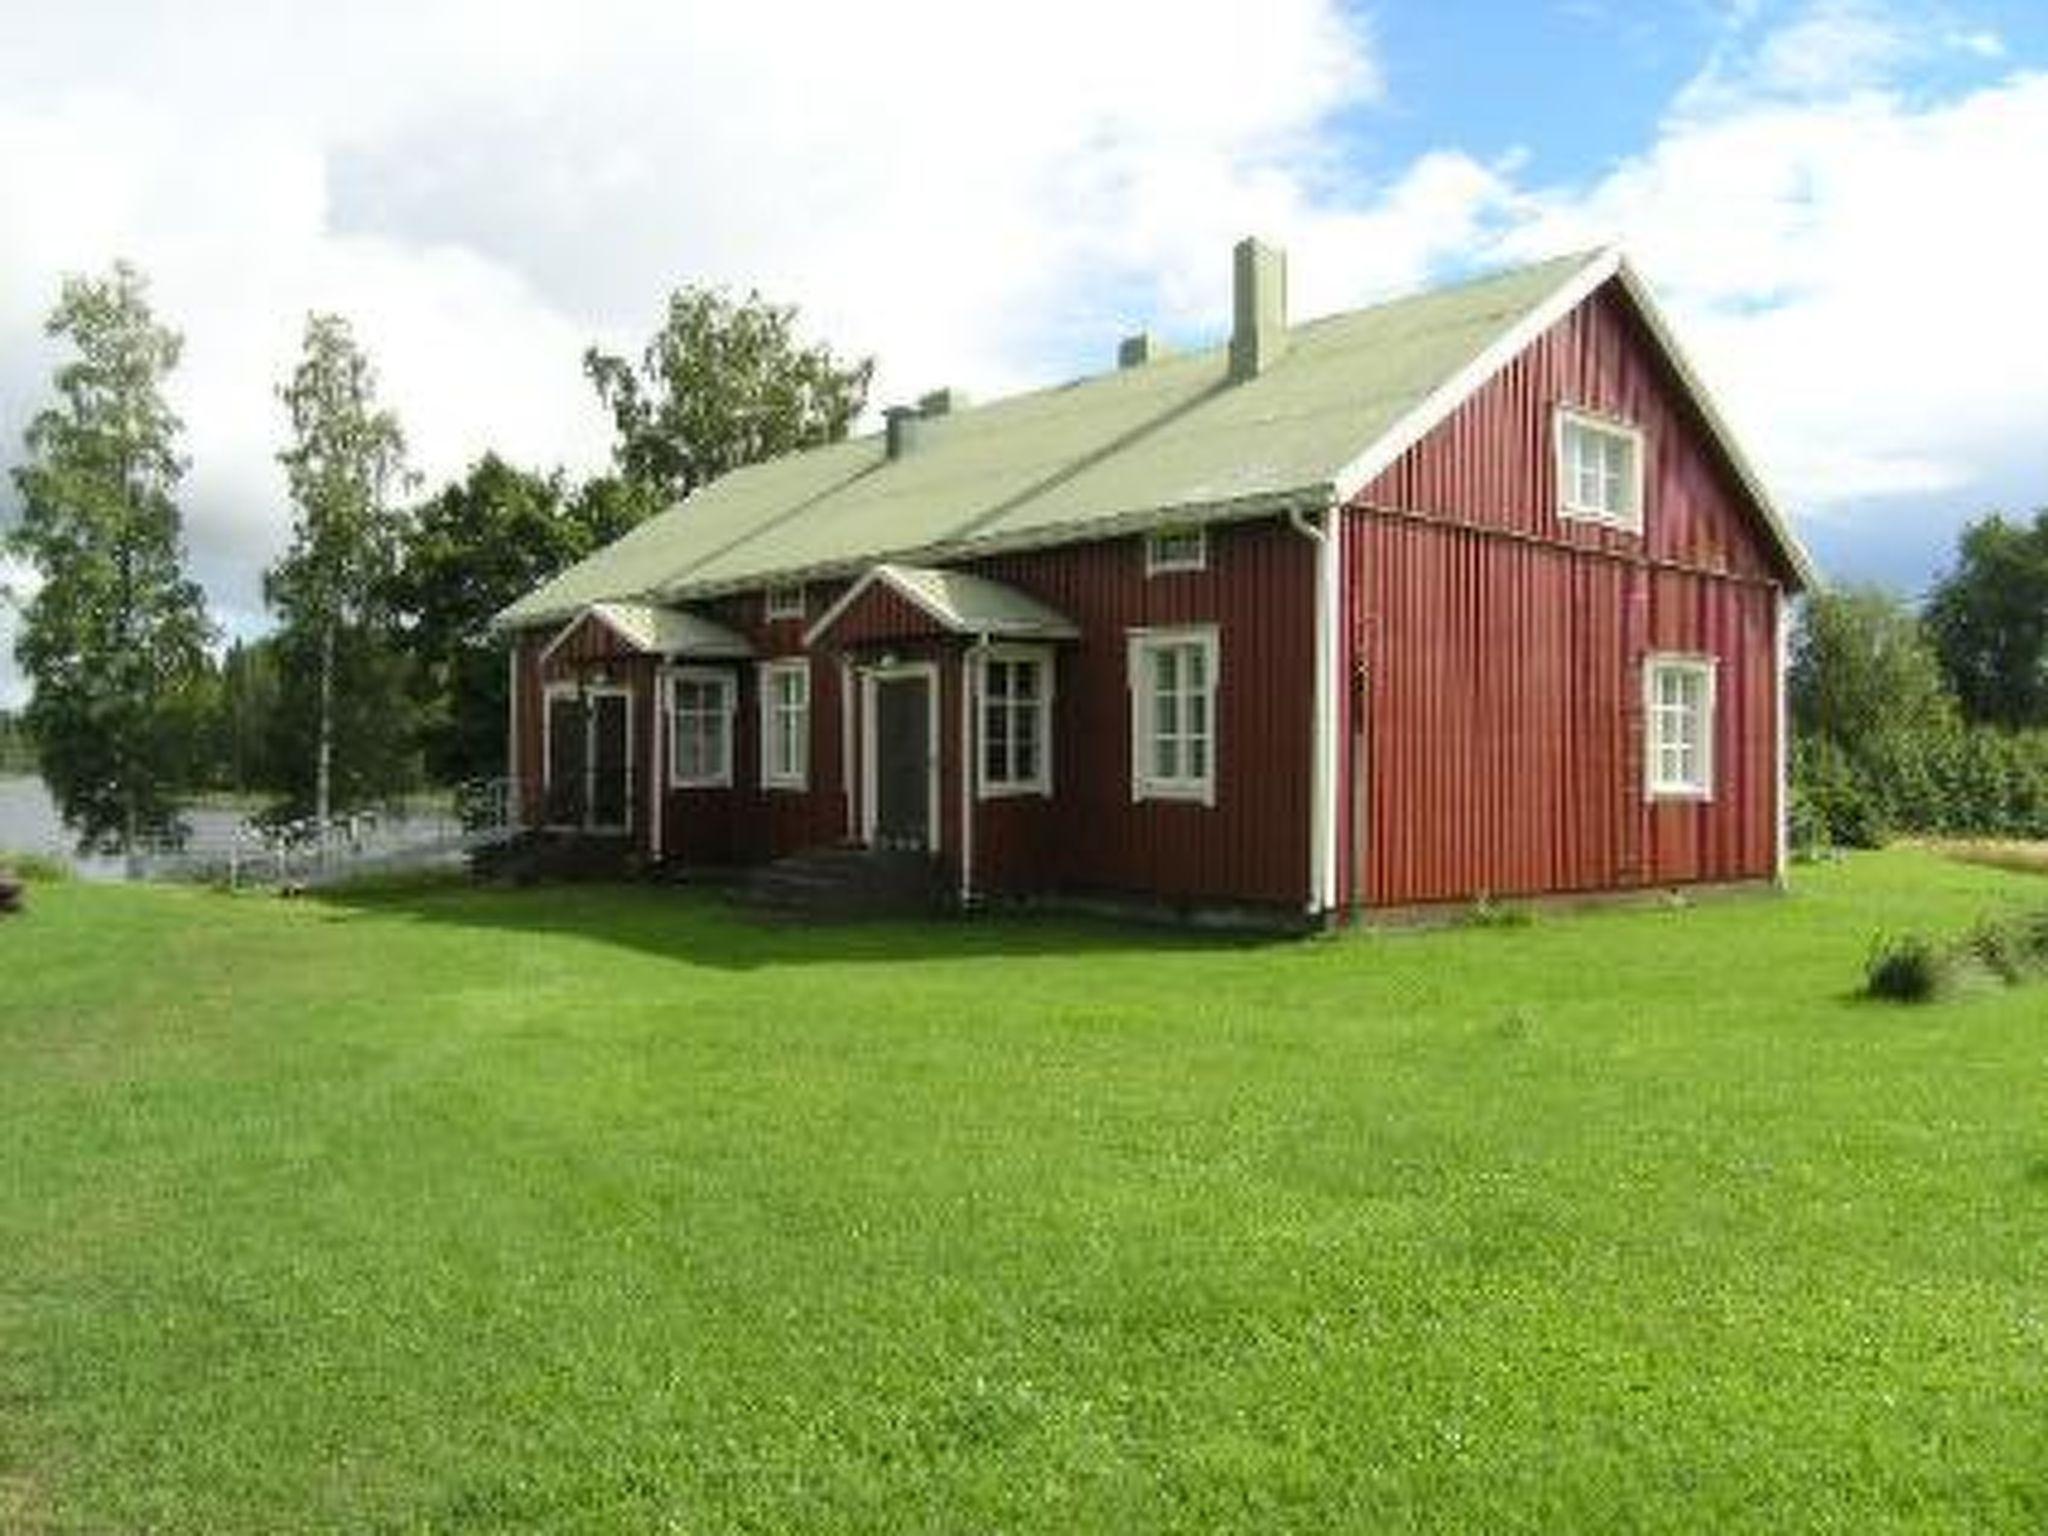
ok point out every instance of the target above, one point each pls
(1599, 470)
(1678, 705)
(786, 602)
(786, 724)
(1016, 721)
(1173, 714)
(700, 729)
(1176, 549)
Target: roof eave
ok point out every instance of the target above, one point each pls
(1314, 497)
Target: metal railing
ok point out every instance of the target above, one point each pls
(303, 853)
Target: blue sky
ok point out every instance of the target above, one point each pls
(1838, 202)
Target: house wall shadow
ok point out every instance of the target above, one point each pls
(707, 928)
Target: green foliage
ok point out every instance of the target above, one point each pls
(1490, 912)
(246, 733)
(2011, 949)
(372, 716)
(17, 750)
(1989, 619)
(1862, 669)
(345, 728)
(1912, 968)
(608, 1210)
(721, 385)
(468, 551)
(1881, 747)
(35, 868)
(116, 630)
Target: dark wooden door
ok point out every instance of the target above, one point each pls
(568, 762)
(903, 765)
(611, 785)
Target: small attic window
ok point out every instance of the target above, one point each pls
(1599, 470)
(1176, 549)
(785, 603)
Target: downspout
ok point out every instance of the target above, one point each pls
(515, 782)
(1322, 870)
(1784, 648)
(657, 770)
(970, 659)
(846, 745)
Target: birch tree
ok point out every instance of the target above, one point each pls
(115, 629)
(346, 468)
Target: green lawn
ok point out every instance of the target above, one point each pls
(607, 1210)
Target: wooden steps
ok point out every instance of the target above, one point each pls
(846, 883)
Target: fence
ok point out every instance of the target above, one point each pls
(306, 854)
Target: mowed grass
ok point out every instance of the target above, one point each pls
(606, 1210)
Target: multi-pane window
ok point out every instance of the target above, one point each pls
(1176, 549)
(1600, 470)
(1173, 715)
(785, 724)
(700, 729)
(1679, 699)
(1016, 695)
(785, 603)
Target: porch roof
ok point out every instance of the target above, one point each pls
(658, 631)
(957, 602)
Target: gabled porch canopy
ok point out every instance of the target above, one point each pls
(646, 629)
(901, 601)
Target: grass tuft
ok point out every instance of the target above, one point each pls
(1490, 912)
(35, 868)
(1912, 968)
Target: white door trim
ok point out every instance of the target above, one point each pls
(547, 727)
(928, 671)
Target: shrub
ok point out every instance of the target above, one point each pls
(1911, 968)
(35, 868)
(2002, 948)
(1486, 912)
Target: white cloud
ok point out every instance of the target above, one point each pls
(485, 189)
(1855, 272)
(983, 197)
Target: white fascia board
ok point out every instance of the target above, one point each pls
(1468, 380)
(1789, 545)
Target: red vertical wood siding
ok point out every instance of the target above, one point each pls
(1494, 715)
(1493, 462)
(749, 823)
(1252, 845)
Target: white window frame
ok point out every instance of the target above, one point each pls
(1141, 646)
(1161, 564)
(721, 776)
(1570, 419)
(770, 674)
(784, 602)
(1706, 670)
(1041, 782)
(589, 693)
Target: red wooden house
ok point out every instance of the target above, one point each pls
(1466, 594)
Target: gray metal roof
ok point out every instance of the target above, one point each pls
(959, 602)
(660, 631)
(1173, 440)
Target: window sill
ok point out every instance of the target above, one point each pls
(1013, 791)
(1599, 519)
(1674, 795)
(1177, 794)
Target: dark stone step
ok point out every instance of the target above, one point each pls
(845, 882)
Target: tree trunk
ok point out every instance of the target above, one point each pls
(323, 759)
